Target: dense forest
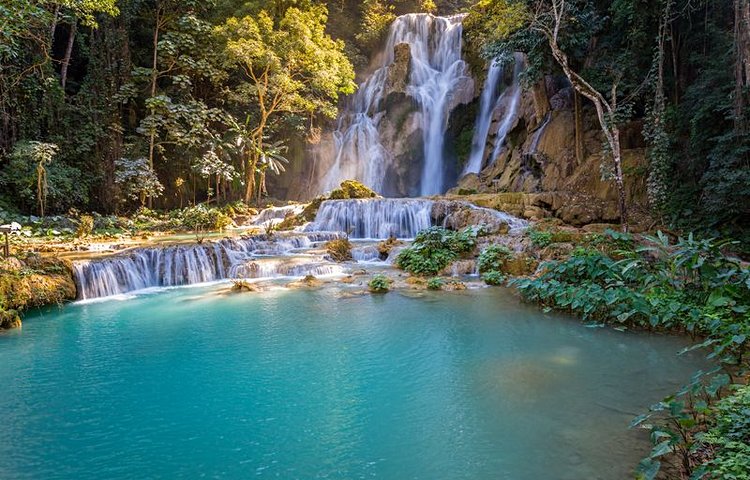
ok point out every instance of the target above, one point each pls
(107, 105)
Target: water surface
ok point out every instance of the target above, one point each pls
(188, 383)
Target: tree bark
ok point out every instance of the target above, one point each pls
(68, 52)
(742, 61)
(579, 126)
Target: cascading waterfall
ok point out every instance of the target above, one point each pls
(539, 132)
(374, 218)
(509, 100)
(187, 265)
(487, 104)
(436, 70)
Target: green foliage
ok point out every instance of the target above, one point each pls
(376, 18)
(379, 284)
(729, 438)
(200, 218)
(137, 179)
(540, 238)
(435, 283)
(434, 249)
(492, 258)
(493, 277)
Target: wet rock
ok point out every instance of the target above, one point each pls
(454, 286)
(460, 267)
(244, 286)
(520, 265)
(309, 281)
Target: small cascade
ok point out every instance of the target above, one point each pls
(275, 215)
(368, 253)
(538, 134)
(374, 218)
(192, 264)
(484, 118)
(436, 70)
(509, 101)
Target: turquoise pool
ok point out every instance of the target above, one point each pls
(196, 383)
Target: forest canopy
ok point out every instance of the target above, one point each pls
(214, 95)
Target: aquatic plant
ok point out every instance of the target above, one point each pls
(435, 283)
(494, 277)
(379, 284)
(492, 258)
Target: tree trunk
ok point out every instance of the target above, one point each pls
(68, 53)
(579, 126)
(604, 110)
(154, 77)
(742, 62)
(53, 27)
(541, 102)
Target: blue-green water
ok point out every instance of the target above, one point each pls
(189, 383)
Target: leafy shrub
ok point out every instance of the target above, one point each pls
(492, 258)
(493, 277)
(435, 283)
(201, 218)
(339, 249)
(730, 439)
(434, 249)
(379, 284)
(540, 238)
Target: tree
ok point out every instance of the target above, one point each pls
(550, 18)
(291, 66)
(137, 179)
(40, 155)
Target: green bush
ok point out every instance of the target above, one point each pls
(201, 218)
(434, 249)
(492, 258)
(435, 283)
(729, 439)
(540, 238)
(379, 284)
(493, 277)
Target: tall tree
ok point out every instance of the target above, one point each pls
(288, 67)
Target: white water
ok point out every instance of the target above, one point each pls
(143, 268)
(377, 218)
(539, 131)
(436, 70)
(509, 101)
(275, 215)
(487, 104)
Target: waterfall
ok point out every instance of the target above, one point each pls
(374, 218)
(436, 70)
(191, 264)
(274, 215)
(509, 101)
(484, 118)
(539, 131)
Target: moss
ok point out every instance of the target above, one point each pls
(351, 189)
(41, 281)
(385, 247)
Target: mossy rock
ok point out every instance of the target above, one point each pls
(350, 189)
(339, 249)
(519, 265)
(9, 319)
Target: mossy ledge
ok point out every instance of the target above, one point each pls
(33, 281)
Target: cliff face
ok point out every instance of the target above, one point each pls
(541, 172)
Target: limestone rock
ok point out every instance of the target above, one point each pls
(400, 70)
